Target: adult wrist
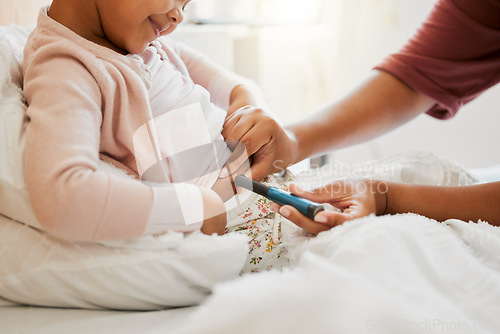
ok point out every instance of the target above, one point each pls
(380, 189)
(293, 151)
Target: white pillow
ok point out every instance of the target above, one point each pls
(141, 274)
(14, 202)
(147, 273)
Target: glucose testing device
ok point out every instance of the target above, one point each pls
(305, 206)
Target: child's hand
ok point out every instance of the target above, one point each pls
(214, 213)
(355, 198)
(271, 147)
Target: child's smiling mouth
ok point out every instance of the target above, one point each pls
(156, 27)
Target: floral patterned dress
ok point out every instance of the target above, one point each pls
(264, 229)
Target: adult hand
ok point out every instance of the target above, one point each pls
(272, 148)
(355, 198)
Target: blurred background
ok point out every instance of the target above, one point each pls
(305, 53)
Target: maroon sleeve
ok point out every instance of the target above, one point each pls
(454, 56)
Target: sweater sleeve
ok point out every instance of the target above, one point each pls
(71, 196)
(453, 57)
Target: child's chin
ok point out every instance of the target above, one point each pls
(139, 48)
(168, 31)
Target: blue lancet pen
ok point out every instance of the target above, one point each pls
(305, 206)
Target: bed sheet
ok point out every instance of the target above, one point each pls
(487, 174)
(390, 274)
(34, 320)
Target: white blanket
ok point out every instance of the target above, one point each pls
(391, 274)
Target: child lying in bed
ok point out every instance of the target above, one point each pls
(101, 84)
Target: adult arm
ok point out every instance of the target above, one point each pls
(469, 203)
(357, 198)
(375, 106)
(451, 59)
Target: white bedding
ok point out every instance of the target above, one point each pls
(32, 320)
(404, 272)
(401, 272)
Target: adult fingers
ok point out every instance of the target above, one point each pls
(302, 221)
(238, 162)
(332, 218)
(323, 194)
(235, 128)
(238, 123)
(256, 145)
(249, 134)
(262, 166)
(238, 113)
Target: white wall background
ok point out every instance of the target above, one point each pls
(470, 138)
(20, 11)
(302, 66)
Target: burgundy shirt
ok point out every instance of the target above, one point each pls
(454, 56)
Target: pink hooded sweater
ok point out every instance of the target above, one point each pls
(87, 102)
